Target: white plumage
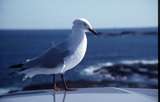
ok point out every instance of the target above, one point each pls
(61, 57)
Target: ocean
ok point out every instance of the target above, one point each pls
(126, 57)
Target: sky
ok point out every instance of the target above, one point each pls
(59, 14)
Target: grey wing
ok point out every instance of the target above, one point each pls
(51, 58)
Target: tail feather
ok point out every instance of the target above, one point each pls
(19, 69)
(16, 66)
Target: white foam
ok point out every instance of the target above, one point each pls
(139, 61)
(107, 64)
(90, 69)
(149, 61)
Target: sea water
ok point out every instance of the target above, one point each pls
(136, 51)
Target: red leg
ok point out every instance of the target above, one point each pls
(65, 84)
(55, 85)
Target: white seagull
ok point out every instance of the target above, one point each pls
(62, 57)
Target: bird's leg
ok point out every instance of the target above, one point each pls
(55, 85)
(54, 81)
(65, 84)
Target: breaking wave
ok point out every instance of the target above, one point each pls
(140, 72)
(90, 69)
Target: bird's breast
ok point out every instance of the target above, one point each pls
(77, 56)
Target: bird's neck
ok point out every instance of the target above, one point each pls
(77, 34)
(77, 37)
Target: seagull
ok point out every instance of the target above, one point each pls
(59, 58)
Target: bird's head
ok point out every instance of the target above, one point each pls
(84, 25)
